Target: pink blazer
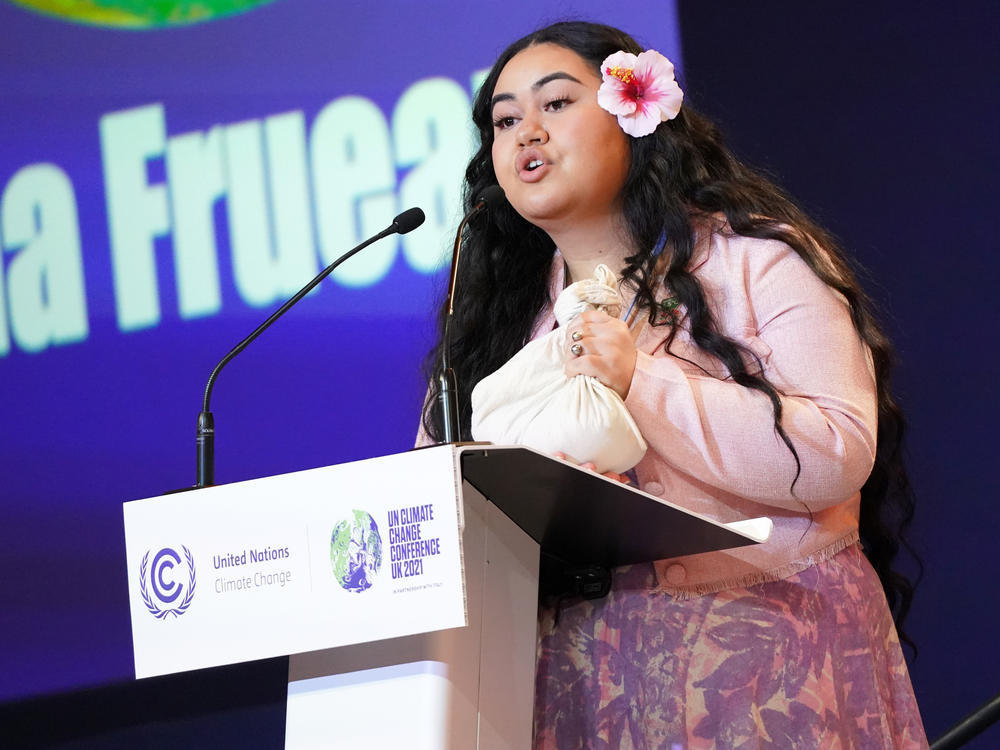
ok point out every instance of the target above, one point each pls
(712, 444)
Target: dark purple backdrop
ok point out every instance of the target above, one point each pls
(882, 118)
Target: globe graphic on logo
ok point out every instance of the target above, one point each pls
(139, 14)
(356, 552)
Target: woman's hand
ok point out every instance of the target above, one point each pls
(602, 346)
(591, 466)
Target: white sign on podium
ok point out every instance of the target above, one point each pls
(311, 560)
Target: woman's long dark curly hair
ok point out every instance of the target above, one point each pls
(679, 173)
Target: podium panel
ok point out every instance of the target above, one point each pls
(327, 557)
(404, 588)
(474, 685)
(401, 705)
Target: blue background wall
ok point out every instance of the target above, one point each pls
(161, 192)
(881, 121)
(881, 118)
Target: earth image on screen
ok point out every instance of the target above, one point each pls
(356, 552)
(139, 14)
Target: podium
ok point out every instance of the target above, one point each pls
(403, 588)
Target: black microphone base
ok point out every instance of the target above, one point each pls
(205, 458)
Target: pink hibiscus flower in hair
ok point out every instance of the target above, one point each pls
(640, 90)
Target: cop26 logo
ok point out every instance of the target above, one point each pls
(356, 552)
(170, 595)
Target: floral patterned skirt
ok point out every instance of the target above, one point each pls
(811, 661)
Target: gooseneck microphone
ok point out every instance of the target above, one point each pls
(205, 466)
(447, 384)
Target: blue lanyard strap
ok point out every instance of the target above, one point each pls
(660, 244)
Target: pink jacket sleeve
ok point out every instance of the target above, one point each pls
(721, 434)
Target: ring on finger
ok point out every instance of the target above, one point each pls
(577, 349)
(577, 335)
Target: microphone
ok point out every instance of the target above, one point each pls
(406, 222)
(205, 435)
(447, 384)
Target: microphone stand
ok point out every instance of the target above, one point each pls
(447, 383)
(205, 434)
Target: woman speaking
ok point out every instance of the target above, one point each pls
(749, 359)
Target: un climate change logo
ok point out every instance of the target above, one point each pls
(164, 581)
(356, 552)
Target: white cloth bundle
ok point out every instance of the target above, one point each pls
(530, 401)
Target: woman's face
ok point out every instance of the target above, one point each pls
(558, 156)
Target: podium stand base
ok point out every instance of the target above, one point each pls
(470, 687)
